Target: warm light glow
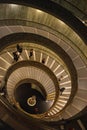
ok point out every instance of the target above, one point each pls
(68, 87)
(31, 101)
(62, 101)
(56, 68)
(51, 113)
(56, 109)
(61, 22)
(65, 77)
(4, 60)
(83, 22)
(39, 11)
(66, 92)
(61, 104)
(1, 76)
(13, 5)
(2, 68)
(52, 64)
(60, 72)
(27, 54)
(64, 97)
(9, 54)
(65, 82)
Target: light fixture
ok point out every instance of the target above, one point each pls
(31, 101)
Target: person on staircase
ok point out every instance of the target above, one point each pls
(17, 53)
(61, 90)
(43, 60)
(31, 53)
(19, 48)
(15, 56)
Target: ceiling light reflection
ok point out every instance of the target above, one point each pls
(39, 11)
(13, 5)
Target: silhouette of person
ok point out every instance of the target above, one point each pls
(19, 48)
(62, 90)
(60, 78)
(31, 53)
(43, 60)
(16, 56)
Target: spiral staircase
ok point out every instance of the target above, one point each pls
(65, 66)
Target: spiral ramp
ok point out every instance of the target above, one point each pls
(74, 74)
